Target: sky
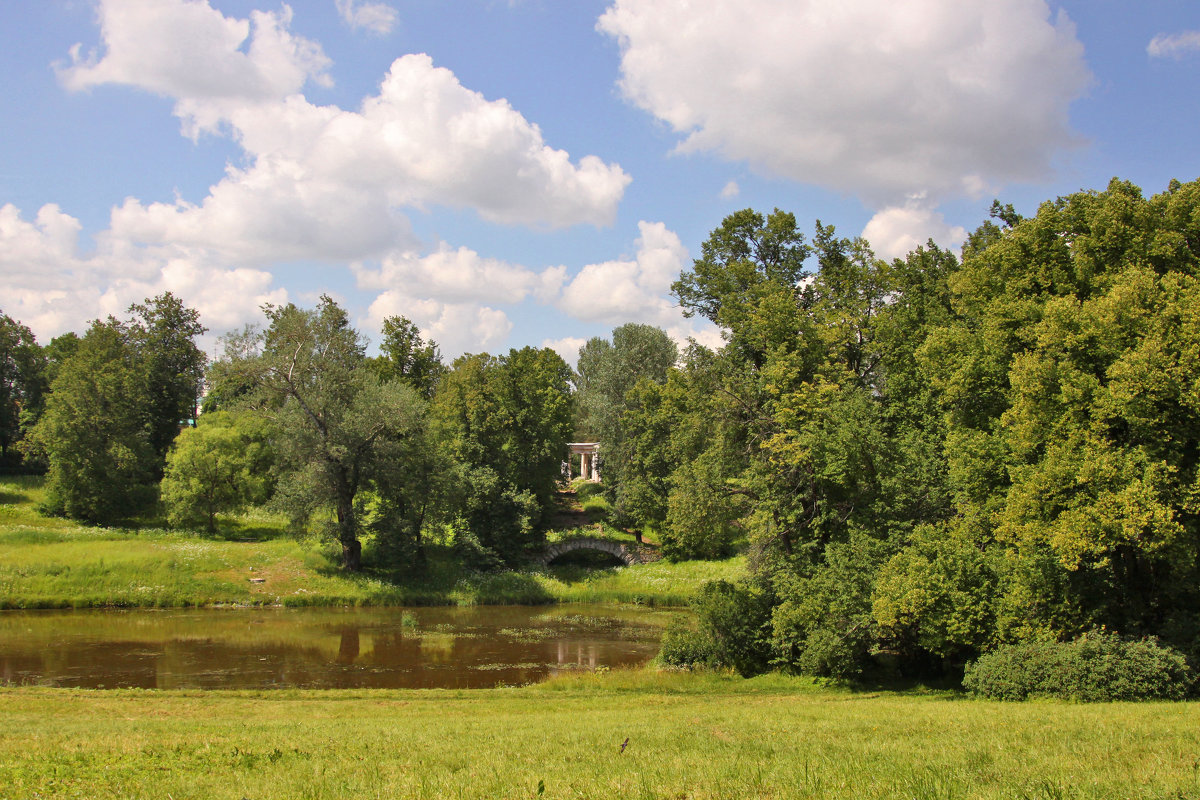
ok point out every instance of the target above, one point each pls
(537, 172)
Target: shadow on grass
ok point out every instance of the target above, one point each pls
(945, 686)
(247, 533)
(578, 565)
(8, 498)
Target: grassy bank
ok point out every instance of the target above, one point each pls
(47, 562)
(689, 737)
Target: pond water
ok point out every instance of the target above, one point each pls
(390, 648)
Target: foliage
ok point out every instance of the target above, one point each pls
(163, 333)
(701, 515)
(93, 431)
(406, 356)
(1097, 667)
(222, 465)
(932, 457)
(505, 421)
(23, 386)
(824, 624)
(607, 372)
(684, 645)
(337, 425)
(938, 595)
(116, 403)
(232, 379)
(732, 623)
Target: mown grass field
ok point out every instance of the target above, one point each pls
(47, 562)
(690, 736)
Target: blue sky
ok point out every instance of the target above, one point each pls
(538, 171)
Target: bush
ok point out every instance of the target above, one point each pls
(823, 625)
(732, 631)
(1096, 667)
(685, 646)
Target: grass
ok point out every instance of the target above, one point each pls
(659, 583)
(48, 562)
(689, 736)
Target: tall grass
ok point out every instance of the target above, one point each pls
(660, 583)
(688, 736)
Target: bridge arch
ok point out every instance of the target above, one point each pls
(628, 555)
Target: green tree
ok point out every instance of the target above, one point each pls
(231, 379)
(406, 356)
(506, 421)
(747, 257)
(336, 423)
(93, 432)
(222, 465)
(163, 331)
(606, 375)
(608, 370)
(23, 385)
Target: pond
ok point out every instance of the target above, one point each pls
(386, 648)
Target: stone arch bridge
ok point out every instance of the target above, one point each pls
(628, 553)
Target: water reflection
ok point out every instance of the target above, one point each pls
(320, 648)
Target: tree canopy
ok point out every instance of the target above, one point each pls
(931, 457)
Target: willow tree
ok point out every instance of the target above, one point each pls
(337, 424)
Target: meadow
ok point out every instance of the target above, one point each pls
(688, 736)
(49, 562)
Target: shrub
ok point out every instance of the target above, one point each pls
(732, 630)
(1096, 667)
(685, 646)
(823, 625)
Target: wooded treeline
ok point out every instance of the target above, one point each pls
(925, 459)
(932, 457)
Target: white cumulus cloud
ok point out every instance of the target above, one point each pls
(190, 51)
(457, 327)
(637, 289)
(460, 274)
(1174, 45)
(324, 183)
(52, 287)
(898, 230)
(629, 290)
(567, 347)
(321, 182)
(873, 97)
(377, 18)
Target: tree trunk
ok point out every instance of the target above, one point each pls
(348, 530)
(352, 555)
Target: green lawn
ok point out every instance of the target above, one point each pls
(47, 562)
(689, 736)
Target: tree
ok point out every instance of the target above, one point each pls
(506, 421)
(747, 257)
(607, 374)
(57, 352)
(406, 356)
(336, 422)
(222, 465)
(22, 385)
(93, 431)
(163, 331)
(232, 379)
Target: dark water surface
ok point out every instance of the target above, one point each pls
(389, 648)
